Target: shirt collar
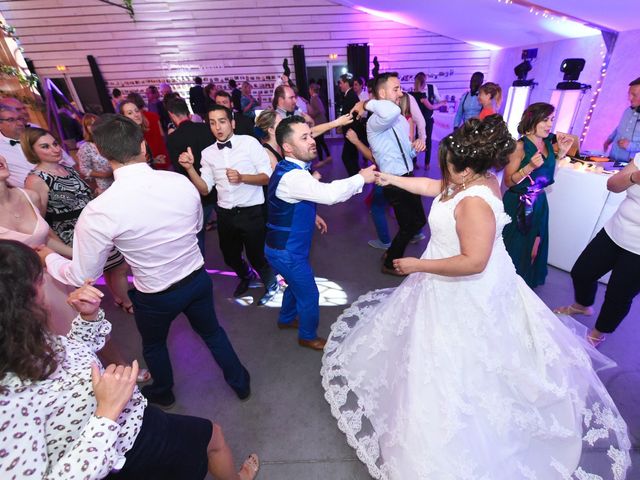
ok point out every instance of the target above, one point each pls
(227, 140)
(300, 163)
(6, 139)
(132, 170)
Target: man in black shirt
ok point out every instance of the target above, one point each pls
(236, 96)
(198, 136)
(196, 98)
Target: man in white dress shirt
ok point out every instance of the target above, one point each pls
(238, 167)
(11, 127)
(152, 217)
(292, 199)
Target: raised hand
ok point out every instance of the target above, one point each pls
(537, 160)
(358, 108)
(345, 119)
(564, 144)
(113, 388)
(186, 159)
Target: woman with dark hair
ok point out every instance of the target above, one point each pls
(65, 416)
(461, 371)
(469, 106)
(134, 108)
(530, 170)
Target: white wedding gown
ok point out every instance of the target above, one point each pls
(470, 378)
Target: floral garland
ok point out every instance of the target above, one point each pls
(26, 80)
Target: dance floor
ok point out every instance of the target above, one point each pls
(286, 420)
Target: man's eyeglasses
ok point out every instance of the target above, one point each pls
(10, 119)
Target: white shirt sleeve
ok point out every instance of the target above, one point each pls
(206, 170)
(260, 158)
(386, 113)
(92, 244)
(417, 117)
(436, 94)
(298, 185)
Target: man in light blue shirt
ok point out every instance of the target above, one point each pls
(625, 139)
(388, 135)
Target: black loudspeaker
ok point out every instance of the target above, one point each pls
(358, 60)
(300, 66)
(101, 86)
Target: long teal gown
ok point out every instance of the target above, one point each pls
(526, 204)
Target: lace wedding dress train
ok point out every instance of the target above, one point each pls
(470, 378)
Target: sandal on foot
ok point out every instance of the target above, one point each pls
(144, 375)
(251, 465)
(571, 310)
(596, 341)
(127, 309)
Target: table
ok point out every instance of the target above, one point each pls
(579, 206)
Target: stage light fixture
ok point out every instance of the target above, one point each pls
(522, 69)
(572, 67)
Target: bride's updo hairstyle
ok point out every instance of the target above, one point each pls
(478, 144)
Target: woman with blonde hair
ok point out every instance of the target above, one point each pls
(93, 166)
(490, 97)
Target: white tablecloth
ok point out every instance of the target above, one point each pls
(579, 206)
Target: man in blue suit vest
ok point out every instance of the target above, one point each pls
(292, 199)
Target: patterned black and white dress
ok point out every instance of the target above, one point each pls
(68, 195)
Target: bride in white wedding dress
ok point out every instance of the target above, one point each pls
(462, 373)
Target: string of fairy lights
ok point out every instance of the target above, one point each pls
(605, 53)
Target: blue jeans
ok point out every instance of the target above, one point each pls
(154, 313)
(378, 214)
(301, 297)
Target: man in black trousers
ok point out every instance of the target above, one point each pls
(349, 150)
(196, 136)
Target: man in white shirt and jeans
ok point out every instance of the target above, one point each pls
(237, 166)
(152, 217)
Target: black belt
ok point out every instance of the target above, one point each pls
(183, 282)
(236, 210)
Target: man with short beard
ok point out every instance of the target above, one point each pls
(388, 134)
(292, 199)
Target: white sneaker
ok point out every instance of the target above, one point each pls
(378, 244)
(418, 237)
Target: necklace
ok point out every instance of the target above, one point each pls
(453, 188)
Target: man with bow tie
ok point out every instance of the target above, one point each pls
(292, 199)
(237, 166)
(11, 127)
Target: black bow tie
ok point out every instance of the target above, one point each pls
(223, 145)
(14, 142)
(290, 114)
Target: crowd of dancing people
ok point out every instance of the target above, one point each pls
(459, 372)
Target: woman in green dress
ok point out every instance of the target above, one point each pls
(530, 170)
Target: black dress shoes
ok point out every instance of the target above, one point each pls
(163, 400)
(243, 285)
(270, 292)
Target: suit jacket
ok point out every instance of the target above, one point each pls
(244, 125)
(198, 136)
(196, 99)
(350, 100)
